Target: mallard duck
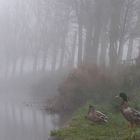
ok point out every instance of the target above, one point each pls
(130, 114)
(96, 116)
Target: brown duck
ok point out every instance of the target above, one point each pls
(96, 116)
(130, 114)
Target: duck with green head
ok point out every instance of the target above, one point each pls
(129, 113)
(96, 116)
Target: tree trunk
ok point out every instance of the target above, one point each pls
(104, 45)
(35, 61)
(130, 49)
(44, 60)
(122, 35)
(14, 65)
(7, 66)
(22, 64)
(91, 50)
(54, 59)
(62, 54)
(73, 50)
(88, 51)
(96, 40)
(113, 55)
(80, 44)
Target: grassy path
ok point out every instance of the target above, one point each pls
(82, 129)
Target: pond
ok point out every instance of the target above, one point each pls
(21, 122)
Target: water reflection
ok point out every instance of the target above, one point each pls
(19, 122)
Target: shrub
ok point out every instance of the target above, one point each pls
(88, 82)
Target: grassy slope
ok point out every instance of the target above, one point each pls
(82, 129)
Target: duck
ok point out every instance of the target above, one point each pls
(130, 114)
(96, 116)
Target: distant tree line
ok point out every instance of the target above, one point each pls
(41, 35)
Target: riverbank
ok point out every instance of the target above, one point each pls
(82, 129)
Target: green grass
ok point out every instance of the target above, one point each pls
(82, 129)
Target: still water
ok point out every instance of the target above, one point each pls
(21, 122)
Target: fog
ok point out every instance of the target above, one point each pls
(42, 41)
(49, 35)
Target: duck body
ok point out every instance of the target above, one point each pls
(130, 114)
(96, 116)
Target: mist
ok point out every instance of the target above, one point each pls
(56, 55)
